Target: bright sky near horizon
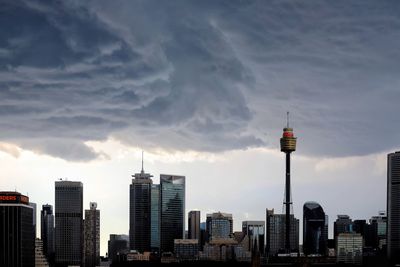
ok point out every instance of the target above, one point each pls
(203, 88)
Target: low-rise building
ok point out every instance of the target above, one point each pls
(186, 249)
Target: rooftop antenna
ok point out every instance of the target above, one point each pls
(142, 162)
(287, 119)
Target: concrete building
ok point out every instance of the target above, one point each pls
(393, 207)
(47, 231)
(17, 235)
(186, 249)
(219, 226)
(92, 236)
(194, 224)
(255, 230)
(349, 248)
(172, 213)
(68, 223)
(140, 211)
(40, 259)
(275, 233)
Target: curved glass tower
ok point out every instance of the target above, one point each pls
(314, 234)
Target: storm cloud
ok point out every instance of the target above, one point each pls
(199, 75)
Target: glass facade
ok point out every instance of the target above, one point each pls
(47, 231)
(255, 230)
(219, 226)
(155, 218)
(393, 207)
(172, 216)
(69, 223)
(314, 240)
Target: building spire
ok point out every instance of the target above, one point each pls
(142, 162)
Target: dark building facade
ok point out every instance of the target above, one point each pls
(393, 207)
(343, 224)
(276, 233)
(155, 218)
(92, 236)
(140, 212)
(47, 231)
(314, 239)
(117, 244)
(194, 224)
(68, 223)
(255, 230)
(172, 210)
(17, 234)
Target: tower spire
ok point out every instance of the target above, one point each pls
(142, 162)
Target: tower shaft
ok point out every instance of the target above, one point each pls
(287, 203)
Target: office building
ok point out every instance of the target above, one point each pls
(194, 224)
(186, 249)
(393, 207)
(255, 230)
(33, 205)
(288, 145)
(140, 211)
(155, 218)
(219, 226)
(47, 231)
(117, 245)
(40, 259)
(314, 229)
(172, 216)
(343, 224)
(275, 233)
(378, 231)
(17, 235)
(92, 236)
(349, 248)
(68, 223)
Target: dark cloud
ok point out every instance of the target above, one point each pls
(199, 75)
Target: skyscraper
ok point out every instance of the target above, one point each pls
(343, 224)
(393, 207)
(255, 230)
(276, 233)
(69, 225)
(47, 231)
(288, 145)
(117, 244)
(219, 225)
(140, 211)
(314, 241)
(92, 236)
(194, 224)
(172, 216)
(155, 218)
(17, 235)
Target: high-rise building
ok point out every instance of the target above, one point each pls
(33, 205)
(378, 231)
(92, 236)
(255, 230)
(140, 211)
(118, 244)
(393, 207)
(276, 232)
(314, 239)
(194, 224)
(172, 213)
(155, 218)
(40, 259)
(17, 235)
(343, 224)
(219, 226)
(69, 223)
(349, 248)
(47, 231)
(288, 145)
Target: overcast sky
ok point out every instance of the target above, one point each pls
(203, 88)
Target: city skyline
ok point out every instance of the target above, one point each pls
(85, 87)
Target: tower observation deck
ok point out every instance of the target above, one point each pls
(288, 145)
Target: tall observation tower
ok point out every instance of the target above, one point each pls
(288, 145)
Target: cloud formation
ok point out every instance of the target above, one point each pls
(205, 76)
